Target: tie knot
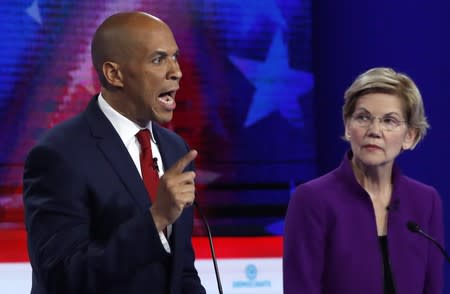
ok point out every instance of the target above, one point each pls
(143, 137)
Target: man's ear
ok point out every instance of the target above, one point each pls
(410, 138)
(112, 74)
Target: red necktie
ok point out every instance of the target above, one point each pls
(149, 172)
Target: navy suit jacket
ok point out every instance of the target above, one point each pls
(87, 214)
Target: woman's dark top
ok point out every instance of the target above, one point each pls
(388, 282)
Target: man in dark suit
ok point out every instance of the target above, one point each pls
(91, 225)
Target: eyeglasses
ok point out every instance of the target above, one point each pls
(387, 122)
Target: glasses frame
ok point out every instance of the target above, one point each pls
(368, 123)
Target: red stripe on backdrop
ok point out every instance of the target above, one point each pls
(239, 247)
(13, 247)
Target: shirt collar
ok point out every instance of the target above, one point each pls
(126, 128)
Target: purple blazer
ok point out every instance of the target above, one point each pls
(331, 243)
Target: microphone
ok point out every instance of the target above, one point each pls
(393, 206)
(415, 228)
(155, 164)
(211, 246)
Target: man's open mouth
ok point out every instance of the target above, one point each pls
(167, 99)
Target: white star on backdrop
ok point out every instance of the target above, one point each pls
(278, 86)
(33, 11)
(83, 76)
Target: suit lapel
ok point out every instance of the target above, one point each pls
(115, 152)
(169, 155)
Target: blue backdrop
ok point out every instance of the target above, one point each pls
(411, 36)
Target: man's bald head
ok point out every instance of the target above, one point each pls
(118, 35)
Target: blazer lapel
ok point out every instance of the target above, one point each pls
(115, 152)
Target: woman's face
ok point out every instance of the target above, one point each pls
(377, 130)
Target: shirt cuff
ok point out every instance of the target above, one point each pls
(164, 242)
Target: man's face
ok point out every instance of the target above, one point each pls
(151, 74)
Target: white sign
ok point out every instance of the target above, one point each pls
(240, 275)
(243, 275)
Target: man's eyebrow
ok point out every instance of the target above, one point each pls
(160, 52)
(164, 53)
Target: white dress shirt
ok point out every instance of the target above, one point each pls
(127, 131)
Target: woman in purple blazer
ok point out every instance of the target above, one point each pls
(346, 232)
